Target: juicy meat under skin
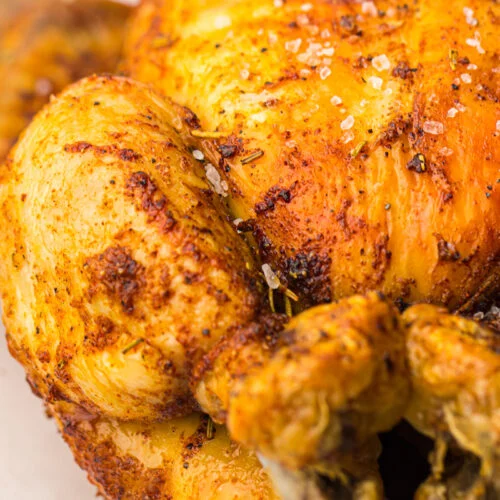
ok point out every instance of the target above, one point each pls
(357, 214)
(119, 271)
(45, 46)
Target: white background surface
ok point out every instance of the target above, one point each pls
(35, 463)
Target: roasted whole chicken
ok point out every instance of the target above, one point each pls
(275, 238)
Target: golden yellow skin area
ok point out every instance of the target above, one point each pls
(455, 372)
(48, 44)
(344, 210)
(174, 459)
(120, 269)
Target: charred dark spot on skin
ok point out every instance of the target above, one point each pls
(232, 146)
(272, 197)
(195, 442)
(102, 334)
(43, 356)
(102, 460)
(402, 70)
(118, 274)
(190, 118)
(394, 130)
(382, 257)
(309, 275)
(151, 200)
(447, 251)
(124, 154)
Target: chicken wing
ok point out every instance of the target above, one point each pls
(120, 270)
(48, 44)
(455, 372)
(347, 132)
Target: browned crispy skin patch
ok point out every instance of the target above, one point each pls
(166, 461)
(125, 154)
(118, 274)
(152, 201)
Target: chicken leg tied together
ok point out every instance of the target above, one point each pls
(316, 391)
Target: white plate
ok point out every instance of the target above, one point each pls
(35, 463)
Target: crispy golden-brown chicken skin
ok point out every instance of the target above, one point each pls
(48, 44)
(184, 458)
(119, 270)
(361, 140)
(455, 372)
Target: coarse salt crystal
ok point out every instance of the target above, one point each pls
(328, 51)
(336, 100)
(452, 112)
(324, 73)
(474, 42)
(293, 45)
(302, 19)
(363, 103)
(446, 151)
(460, 106)
(272, 280)
(198, 155)
(472, 67)
(388, 91)
(348, 137)
(245, 74)
(369, 8)
(278, 3)
(290, 144)
(466, 78)
(468, 12)
(272, 37)
(304, 73)
(375, 82)
(306, 7)
(325, 33)
(214, 178)
(237, 222)
(433, 127)
(347, 123)
(222, 22)
(498, 126)
(381, 63)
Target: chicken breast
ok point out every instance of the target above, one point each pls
(360, 142)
